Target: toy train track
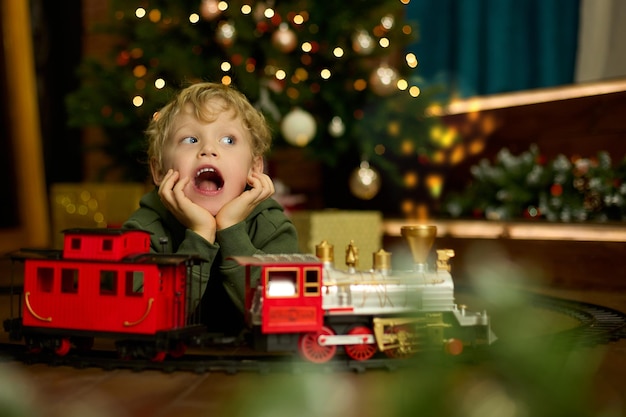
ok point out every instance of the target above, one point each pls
(597, 325)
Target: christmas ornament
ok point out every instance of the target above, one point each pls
(364, 181)
(362, 42)
(383, 80)
(226, 34)
(298, 127)
(209, 9)
(336, 127)
(259, 11)
(284, 39)
(123, 58)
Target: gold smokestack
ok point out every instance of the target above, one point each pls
(420, 239)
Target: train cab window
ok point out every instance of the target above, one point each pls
(282, 283)
(69, 281)
(75, 243)
(311, 282)
(107, 245)
(45, 277)
(108, 282)
(134, 283)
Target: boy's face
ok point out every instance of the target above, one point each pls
(216, 156)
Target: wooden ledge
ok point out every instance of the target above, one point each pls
(531, 230)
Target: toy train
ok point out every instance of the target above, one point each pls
(106, 283)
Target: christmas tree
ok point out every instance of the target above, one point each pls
(334, 78)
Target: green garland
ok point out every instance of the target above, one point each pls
(567, 189)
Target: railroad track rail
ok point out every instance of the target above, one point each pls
(597, 325)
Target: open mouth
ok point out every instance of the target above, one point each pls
(209, 179)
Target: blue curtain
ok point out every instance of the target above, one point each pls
(478, 47)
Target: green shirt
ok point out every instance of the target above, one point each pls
(220, 281)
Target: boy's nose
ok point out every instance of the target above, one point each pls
(208, 150)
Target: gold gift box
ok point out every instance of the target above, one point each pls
(338, 228)
(92, 205)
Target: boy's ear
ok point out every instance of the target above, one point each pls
(258, 164)
(155, 170)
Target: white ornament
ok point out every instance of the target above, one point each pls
(362, 42)
(383, 80)
(209, 9)
(226, 33)
(298, 127)
(336, 127)
(284, 39)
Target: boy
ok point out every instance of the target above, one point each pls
(205, 150)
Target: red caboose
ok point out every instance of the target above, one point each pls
(106, 283)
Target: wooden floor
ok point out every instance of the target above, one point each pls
(520, 380)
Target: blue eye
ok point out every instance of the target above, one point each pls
(229, 140)
(190, 139)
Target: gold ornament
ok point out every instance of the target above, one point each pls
(364, 181)
(284, 39)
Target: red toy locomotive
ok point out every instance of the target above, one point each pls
(106, 283)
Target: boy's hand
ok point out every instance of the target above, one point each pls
(186, 211)
(235, 211)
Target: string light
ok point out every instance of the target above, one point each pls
(140, 12)
(139, 71)
(194, 18)
(154, 15)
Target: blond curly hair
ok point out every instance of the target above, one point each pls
(198, 95)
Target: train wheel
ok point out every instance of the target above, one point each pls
(84, 344)
(33, 345)
(159, 356)
(363, 351)
(178, 350)
(311, 350)
(63, 347)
